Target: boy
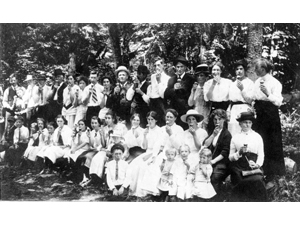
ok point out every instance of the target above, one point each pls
(117, 174)
(20, 141)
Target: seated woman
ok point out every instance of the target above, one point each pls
(194, 135)
(218, 141)
(61, 144)
(96, 144)
(247, 156)
(134, 139)
(51, 126)
(38, 141)
(80, 144)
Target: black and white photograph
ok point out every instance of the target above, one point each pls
(149, 112)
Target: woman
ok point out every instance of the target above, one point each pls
(134, 138)
(247, 154)
(239, 95)
(218, 141)
(172, 133)
(268, 98)
(97, 144)
(107, 100)
(78, 103)
(69, 109)
(194, 135)
(80, 144)
(112, 126)
(39, 142)
(61, 144)
(152, 139)
(196, 98)
(216, 90)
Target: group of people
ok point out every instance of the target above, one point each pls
(150, 136)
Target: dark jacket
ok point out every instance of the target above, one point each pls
(179, 98)
(222, 147)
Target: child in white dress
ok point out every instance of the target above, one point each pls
(166, 183)
(202, 188)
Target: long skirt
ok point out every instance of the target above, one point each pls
(268, 125)
(98, 163)
(74, 155)
(31, 152)
(86, 157)
(55, 152)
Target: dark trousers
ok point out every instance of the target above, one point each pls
(91, 111)
(220, 172)
(14, 155)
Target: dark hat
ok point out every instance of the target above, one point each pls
(58, 72)
(182, 60)
(20, 118)
(117, 146)
(41, 77)
(11, 118)
(202, 68)
(245, 116)
(242, 63)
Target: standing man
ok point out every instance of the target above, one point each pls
(56, 97)
(179, 89)
(92, 97)
(9, 95)
(137, 94)
(159, 83)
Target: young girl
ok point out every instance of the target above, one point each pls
(182, 168)
(166, 185)
(202, 189)
(33, 139)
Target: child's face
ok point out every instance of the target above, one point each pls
(95, 124)
(184, 152)
(117, 154)
(170, 155)
(50, 129)
(19, 123)
(33, 128)
(116, 139)
(40, 124)
(204, 159)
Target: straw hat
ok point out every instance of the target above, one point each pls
(122, 68)
(28, 78)
(193, 113)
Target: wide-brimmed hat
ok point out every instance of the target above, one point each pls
(116, 133)
(182, 60)
(28, 78)
(245, 116)
(193, 113)
(117, 146)
(122, 68)
(202, 68)
(11, 119)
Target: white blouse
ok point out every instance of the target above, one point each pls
(188, 138)
(174, 140)
(273, 86)
(254, 144)
(122, 174)
(154, 140)
(131, 140)
(220, 92)
(236, 95)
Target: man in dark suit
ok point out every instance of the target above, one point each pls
(179, 89)
(137, 94)
(56, 98)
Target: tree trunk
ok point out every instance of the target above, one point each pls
(255, 39)
(73, 44)
(114, 36)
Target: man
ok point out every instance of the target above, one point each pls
(121, 104)
(29, 99)
(56, 97)
(92, 97)
(179, 89)
(8, 137)
(41, 96)
(9, 95)
(159, 83)
(137, 94)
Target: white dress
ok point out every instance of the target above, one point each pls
(56, 151)
(32, 151)
(78, 140)
(48, 143)
(68, 100)
(81, 108)
(202, 186)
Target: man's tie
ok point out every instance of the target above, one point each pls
(117, 170)
(94, 95)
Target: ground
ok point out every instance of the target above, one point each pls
(27, 185)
